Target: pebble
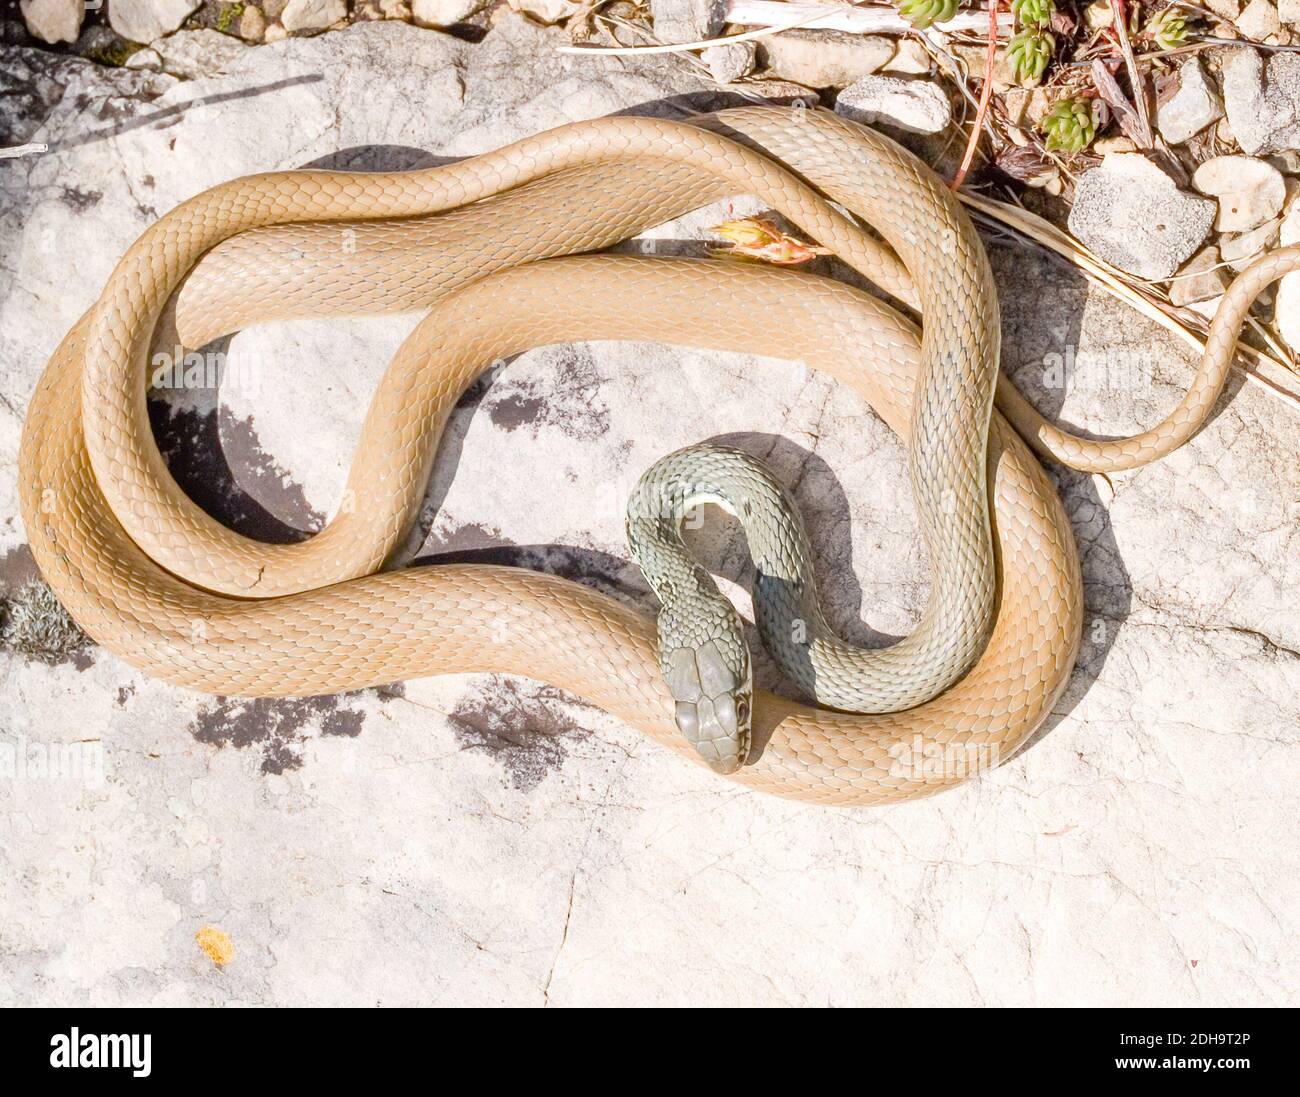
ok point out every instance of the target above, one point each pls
(546, 11)
(826, 58)
(444, 13)
(1263, 101)
(1195, 105)
(915, 106)
(252, 24)
(731, 62)
(148, 20)
(54, 20)
(1134, 216)
(312, 14)
(1249, 191)
(1259, 20)
(910, 58)
(687, 20)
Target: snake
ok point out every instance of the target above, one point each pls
(505, 251)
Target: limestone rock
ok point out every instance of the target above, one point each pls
(1195, 105)
(54, 20)
(914, 106)
(444, 13)
(687, 20)
(731, 62)
(1133, 215)
(148, 20)
(307, 15)
(910, 59)
(1289, 11)
(826, 58)
(1249, 191)
(1259, 20)
(546, 11)
(1262, 100)
(252, 24)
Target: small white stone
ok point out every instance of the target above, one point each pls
(1262, 101)
(444, 13)
(1249, 191)
(915, 106)
(731, 62)
(1259, 20)
(54, 20)
(1289, 11)
(252, 24)
(312, 14)
(687, 20)
(1134, 216)
(148, 20)
(1225, 9)
(1194, 106)
(911, 59)
(826, 58)
(546, 11)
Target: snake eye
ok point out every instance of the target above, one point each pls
(742, 713)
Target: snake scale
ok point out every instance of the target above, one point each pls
(490, 247)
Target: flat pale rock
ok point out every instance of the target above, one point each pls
(1133, 215)
(1195, 105)
(444, 13)
(148, 20)
(486, 840)
(300, 15)
(53, 20)
(913, 106)
(1249, 191)
(1262, 100)
(825, 58)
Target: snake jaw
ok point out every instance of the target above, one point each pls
(713, 697)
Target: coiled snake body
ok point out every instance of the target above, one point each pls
(481, 245)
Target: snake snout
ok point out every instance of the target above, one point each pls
(713, 695)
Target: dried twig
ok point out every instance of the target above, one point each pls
(986, 94)
(1144, 139)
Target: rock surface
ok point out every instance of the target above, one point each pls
(1133, 215)
(687, 20)
(53, 20)
(1249, 191)
(299, 15)
(731, 62)
(444, 13)
(1262, 100)
(546, 11)
(148, 20)
(913, 106)
(1288, 291)
(1195, 105)
(825, 58)
(480, 840)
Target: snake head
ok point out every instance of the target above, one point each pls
(714, 690)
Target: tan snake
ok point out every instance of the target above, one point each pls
(155, 580)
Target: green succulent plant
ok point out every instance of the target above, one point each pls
(924, 13)
(1168, 28)
(1069, 126)
(1029, 53)
(1033, 13)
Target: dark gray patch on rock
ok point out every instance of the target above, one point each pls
(522, 724)
(17, 569)
(278, 726)
(80, 200)
(565, 401)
